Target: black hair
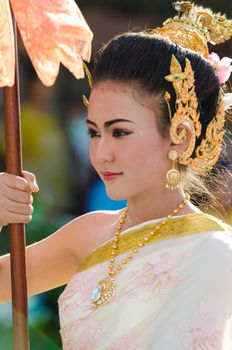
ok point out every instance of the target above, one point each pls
(145, 59)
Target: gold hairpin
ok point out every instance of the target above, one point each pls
(89, 77)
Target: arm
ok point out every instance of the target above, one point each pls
(50, 263)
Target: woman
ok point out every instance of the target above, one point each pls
(158, 273)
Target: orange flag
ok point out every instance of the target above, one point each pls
(53, 32)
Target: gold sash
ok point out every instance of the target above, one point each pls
(180, 226)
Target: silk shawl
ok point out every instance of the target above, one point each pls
(175, 294)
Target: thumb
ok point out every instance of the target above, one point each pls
(31, 179)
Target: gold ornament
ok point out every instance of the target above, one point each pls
(186, 107)
(89, 77)
(106, 287)
(194, 27)
(207, 154)
(173, 175)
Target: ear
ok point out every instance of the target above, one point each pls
(187, 132)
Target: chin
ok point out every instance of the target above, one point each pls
(120, 194)
(116, 195)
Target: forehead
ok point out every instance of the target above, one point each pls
(113, 99)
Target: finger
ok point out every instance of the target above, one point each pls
(19, 208)
(16, 182)
(31, 181)
(17, 218)
(17, 196)
(28, 175)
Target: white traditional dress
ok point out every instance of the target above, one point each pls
(175, 294)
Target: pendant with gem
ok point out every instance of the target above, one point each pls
(103, 292)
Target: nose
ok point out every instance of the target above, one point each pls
(103, 150)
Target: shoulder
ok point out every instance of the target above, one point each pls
(222, 234)
(205, 222)
(90, 230)
(210, 259)
(220, 240)
(222, 225)
(214, 242)
(215, 250)
(99, 217)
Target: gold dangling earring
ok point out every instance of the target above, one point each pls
(173, 175)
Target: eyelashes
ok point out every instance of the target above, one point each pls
(93, 133)
(121, 132)
(115, 133)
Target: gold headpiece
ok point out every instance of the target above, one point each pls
(194, 27)
(209, 150)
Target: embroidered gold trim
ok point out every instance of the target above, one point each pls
(186, 225)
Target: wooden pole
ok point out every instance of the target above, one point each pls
(11, 98)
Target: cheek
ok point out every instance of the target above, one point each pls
(148, 161)
(92, 155)
(148, 151)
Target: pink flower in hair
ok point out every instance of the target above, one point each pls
(223, 67)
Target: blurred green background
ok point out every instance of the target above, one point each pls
(74, 193)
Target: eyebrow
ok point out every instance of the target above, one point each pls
(110, 122)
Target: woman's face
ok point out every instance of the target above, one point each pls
(126, 148)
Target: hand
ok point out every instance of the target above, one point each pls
(15, 198)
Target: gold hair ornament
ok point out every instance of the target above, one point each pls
(207, 153)
(194, 27)
(186, 106)
(89, 77)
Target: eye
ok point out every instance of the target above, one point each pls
(121, 132)
(93, 133)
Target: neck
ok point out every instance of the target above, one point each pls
(152, 206)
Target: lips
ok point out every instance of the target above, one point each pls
(108, 175)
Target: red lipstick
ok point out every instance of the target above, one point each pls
(108, 175)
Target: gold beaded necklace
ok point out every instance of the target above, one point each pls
(106, 287)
